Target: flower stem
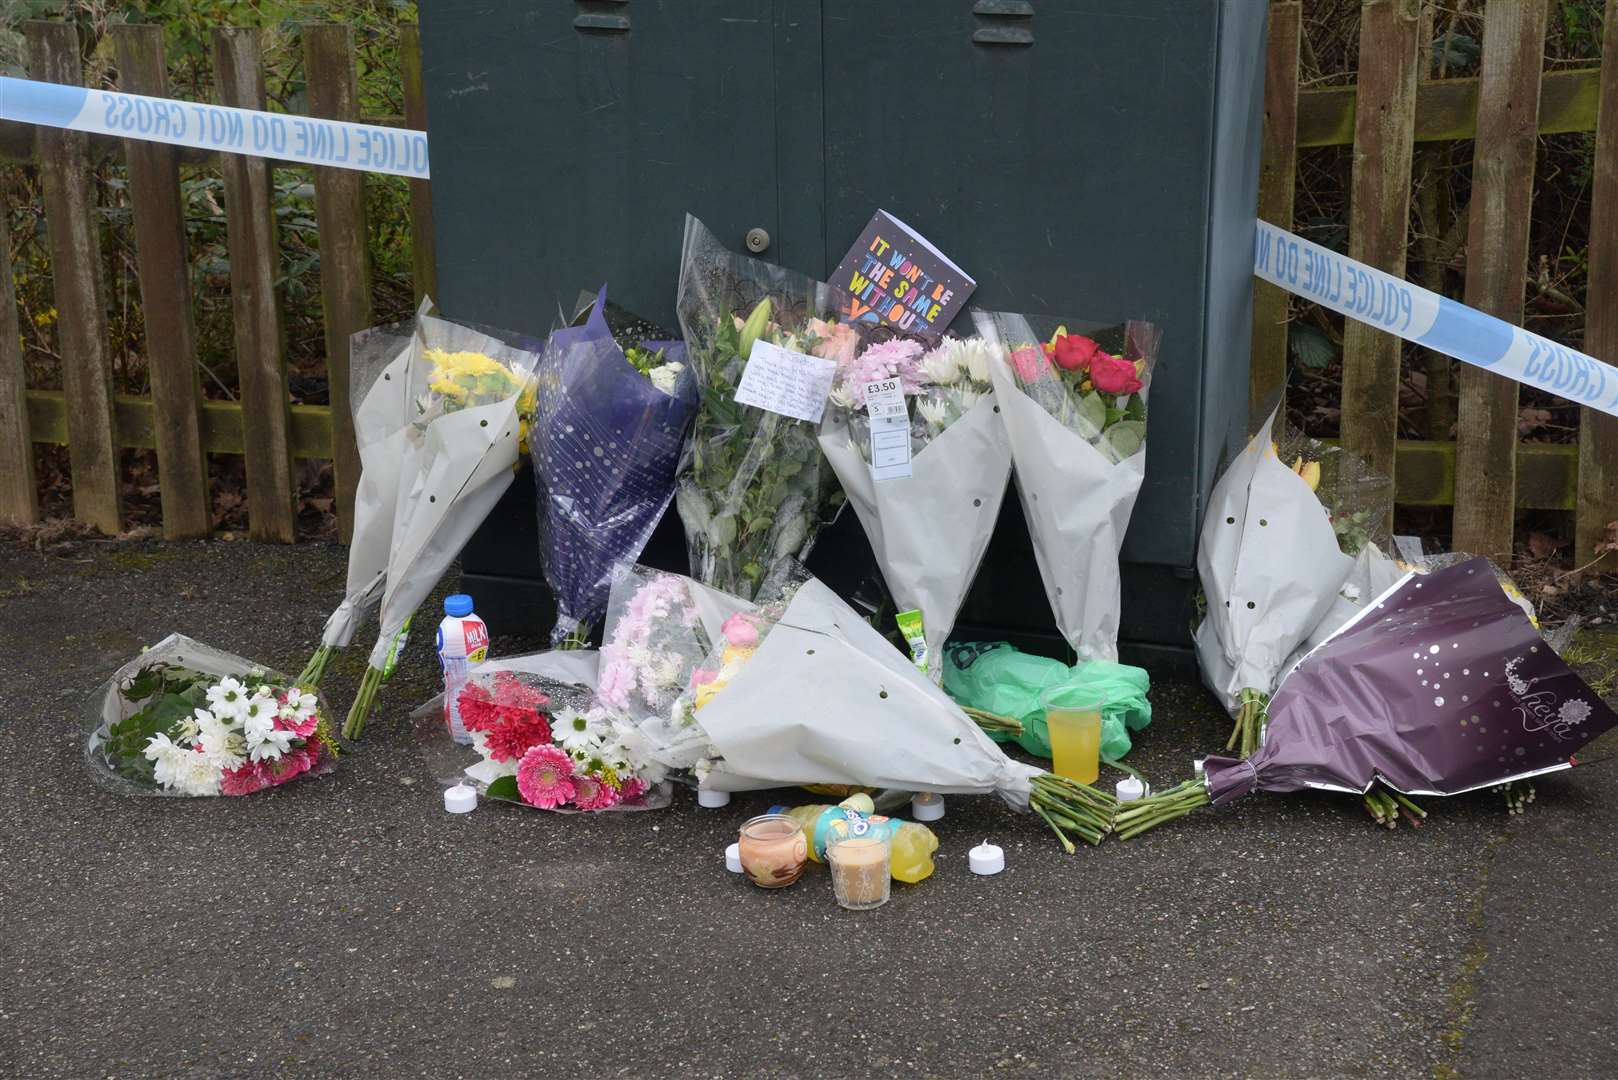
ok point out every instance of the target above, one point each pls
(994, 723)
(315, 669)
(364, 699)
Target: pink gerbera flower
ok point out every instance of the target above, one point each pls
(634, 789)
(591, 793)
(545, 777)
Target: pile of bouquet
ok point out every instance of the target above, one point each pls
(538, 751)
(183, 719)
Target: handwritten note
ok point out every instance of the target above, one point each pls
(890, 430)
(790, 383)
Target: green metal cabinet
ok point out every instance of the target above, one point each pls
(1097, 158)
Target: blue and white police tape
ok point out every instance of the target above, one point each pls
(285, 137)
(1362, 292)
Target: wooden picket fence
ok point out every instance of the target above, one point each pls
(1485, 474)
(176, 421)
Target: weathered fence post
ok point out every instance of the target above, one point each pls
(1598, 431)
(53, 50)
(255, 301)
(424, 248)
(1379, 219)
(1496, 265)
(165, 293)
(345, 265)
(19, 501)
(1277, 179)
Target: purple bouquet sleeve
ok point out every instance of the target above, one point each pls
(605, 446)
(1441, 686)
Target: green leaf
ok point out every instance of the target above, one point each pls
(504, 789)
(1136, 409)
(1092, 411)
(1312, 347)
(1124, 439)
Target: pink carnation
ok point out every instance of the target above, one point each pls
(1030, 363)
(293, 764)
(590, 793)
(899, 359)
(740, 631)
(617, 681)
(545, 777)
(633, 790)
(250, 777)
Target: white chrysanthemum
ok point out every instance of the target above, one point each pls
(168, 759)
(222, 744)
(941, 365)
(935, 412)
(969, 398)
(227, 698)
(701, 769)
(189, 729)
(975, 357)
(666, 376)
(842, 396)
(196, 775)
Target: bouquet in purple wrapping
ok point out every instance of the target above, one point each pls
(611, 424)
(1440, 686)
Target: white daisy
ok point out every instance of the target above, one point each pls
(227, 697)
(577, 731)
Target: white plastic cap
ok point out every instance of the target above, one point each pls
(712, 800)
(986, 859)
(1131, 788)
(460, 799)
(733, 858)
(926, 806)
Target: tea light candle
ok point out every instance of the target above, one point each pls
(861, 867)
(460, 799)
(733, 858)
(986, 859)
(712, 800)
(1131, 788)
(926, 806)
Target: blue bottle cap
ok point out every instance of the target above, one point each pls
(459, 605)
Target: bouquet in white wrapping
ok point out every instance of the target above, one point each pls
(1286, 557)
(803, 691)
(1074, 407)
(930, 525)
(466, 399)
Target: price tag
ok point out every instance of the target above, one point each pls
(790, 383)
(890, 429)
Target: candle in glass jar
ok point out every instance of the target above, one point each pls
(860, 868)
(773, 850)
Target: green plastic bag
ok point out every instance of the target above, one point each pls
(996, 678)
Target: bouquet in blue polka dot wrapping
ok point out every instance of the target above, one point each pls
(606, 444)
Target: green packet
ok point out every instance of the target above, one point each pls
(915, 636)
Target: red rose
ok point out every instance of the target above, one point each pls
(1114, 374)
(1074, 352)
